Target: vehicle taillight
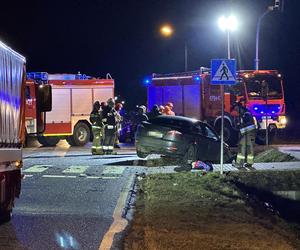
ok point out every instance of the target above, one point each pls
(172, 134)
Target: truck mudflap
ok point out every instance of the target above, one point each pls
(10, 188)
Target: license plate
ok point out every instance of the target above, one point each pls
(264, 117)
(155, 134)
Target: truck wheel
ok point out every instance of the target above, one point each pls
(71, 141)
(81, 135)
(48, 141)
(5, 215)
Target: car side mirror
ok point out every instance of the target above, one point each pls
(44, 98)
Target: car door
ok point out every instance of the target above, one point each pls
(213, 144)
(201, 141)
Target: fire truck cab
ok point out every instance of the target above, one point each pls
(73, 96)
(194, 96)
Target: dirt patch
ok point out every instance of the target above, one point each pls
(272, 155)
(185, 211)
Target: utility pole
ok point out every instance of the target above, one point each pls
(185, 57)
(278, 5)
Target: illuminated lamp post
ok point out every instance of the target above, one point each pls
(226, 24)
(167, 31)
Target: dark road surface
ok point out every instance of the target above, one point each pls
(67, 201)
(69, 197)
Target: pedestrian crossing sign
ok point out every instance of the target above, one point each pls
(223, 71)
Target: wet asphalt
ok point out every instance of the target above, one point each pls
(63, 210)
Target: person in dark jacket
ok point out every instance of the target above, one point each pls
(154, 112)
(96, 121)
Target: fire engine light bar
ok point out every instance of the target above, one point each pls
(43, 76)
(270, 109)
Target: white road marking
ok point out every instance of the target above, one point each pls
(102, 177)
(27, 176)
(59, 176)
(37, 169)
(113, 170)
(75, 169)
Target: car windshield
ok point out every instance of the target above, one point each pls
(203, 129)
(262, 86)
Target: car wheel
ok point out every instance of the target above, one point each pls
(141, 154)
(48, 141)
(190, 155)
(5, 215)
(81, 135)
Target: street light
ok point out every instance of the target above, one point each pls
(167, 31)
(228, 24)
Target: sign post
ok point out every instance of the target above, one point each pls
(223, 72)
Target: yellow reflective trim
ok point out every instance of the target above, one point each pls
(57, 134)
(239, 156)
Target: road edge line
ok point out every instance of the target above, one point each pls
(119, 224)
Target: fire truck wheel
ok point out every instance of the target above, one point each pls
(48, 141)
(5, 215)
(81, 135)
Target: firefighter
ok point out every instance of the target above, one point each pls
(168, 109)
(119, 119)
(245, 156)
(154, 112)
(96, 121)
(110, 122)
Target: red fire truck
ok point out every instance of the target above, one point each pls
(12, 124)
(73, 96)
(194, 96)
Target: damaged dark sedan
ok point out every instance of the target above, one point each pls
(180, 137)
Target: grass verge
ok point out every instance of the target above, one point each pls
(185, 211)
(273, 155)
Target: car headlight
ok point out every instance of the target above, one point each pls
(282, 120)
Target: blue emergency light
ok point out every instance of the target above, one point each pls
(147, 81)
(42, 76)
(270, 109)
(197, 78)
(81, 77)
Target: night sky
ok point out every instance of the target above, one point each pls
(121, 37)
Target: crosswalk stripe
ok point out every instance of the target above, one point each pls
(37, 169)
(75, 169)
(113, 170)
(109, 172)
